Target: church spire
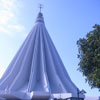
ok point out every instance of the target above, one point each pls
(40, 15)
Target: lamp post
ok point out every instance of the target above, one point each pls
(80, 92)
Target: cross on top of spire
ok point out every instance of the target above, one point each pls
(40, 6)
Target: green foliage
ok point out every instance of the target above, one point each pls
(89, 55)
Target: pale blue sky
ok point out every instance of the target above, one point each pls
(66, 21)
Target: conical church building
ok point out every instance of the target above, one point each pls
(36, 71)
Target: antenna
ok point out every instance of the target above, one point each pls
(40, 6)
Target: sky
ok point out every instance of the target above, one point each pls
(66, 22)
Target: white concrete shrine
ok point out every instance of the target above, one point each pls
(36, 71)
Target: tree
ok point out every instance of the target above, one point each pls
(89, 55)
